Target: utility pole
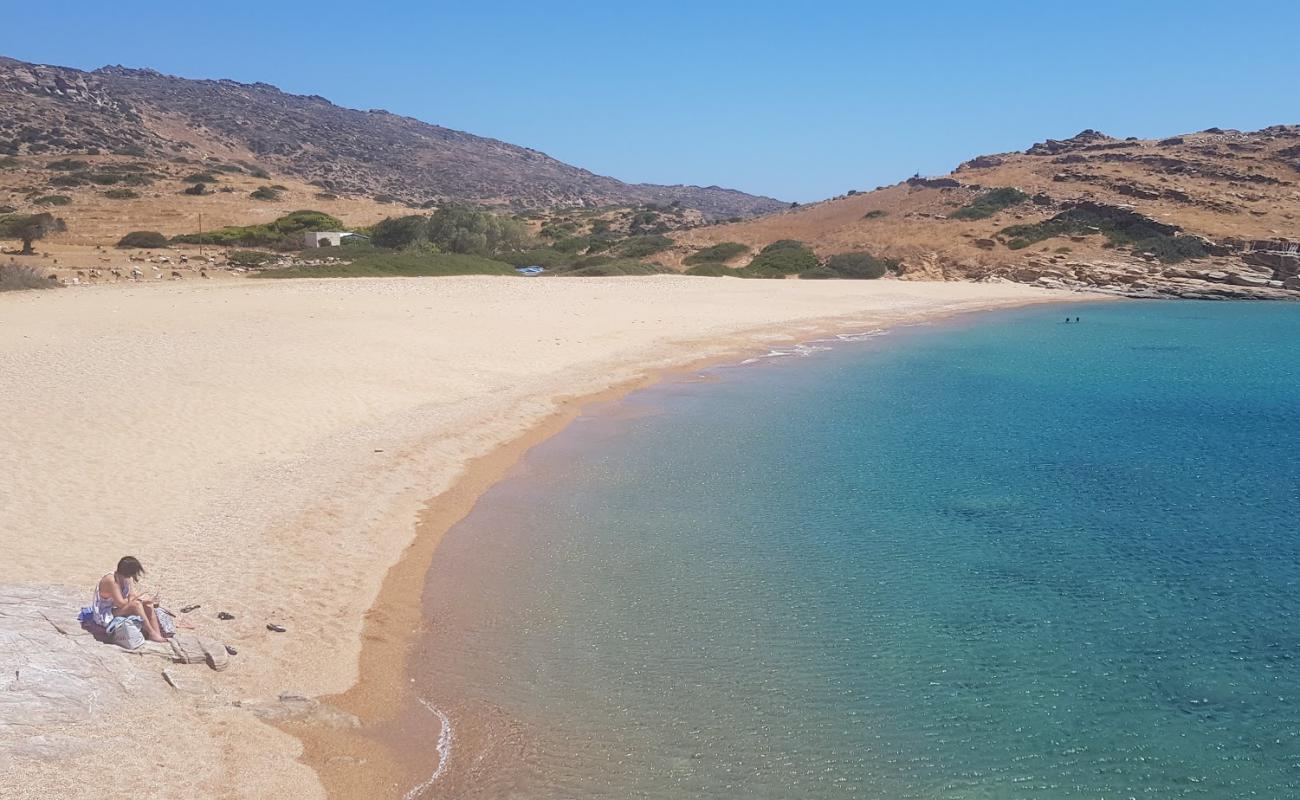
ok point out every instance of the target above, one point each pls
(200, 234)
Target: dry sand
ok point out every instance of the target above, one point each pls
(266, 447)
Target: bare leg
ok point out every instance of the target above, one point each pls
(137, 609)
(151, 629)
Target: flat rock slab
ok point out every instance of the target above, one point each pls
(291, 707)
(55, 677)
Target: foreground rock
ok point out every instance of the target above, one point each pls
(55, 678)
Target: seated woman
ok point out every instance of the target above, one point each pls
(117, 597)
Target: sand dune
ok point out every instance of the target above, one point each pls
(265, 447)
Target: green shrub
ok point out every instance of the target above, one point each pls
(718, 253)
(990, 203)
(1121, 227)
(197, 189)
(150, 240)
(69, 165)
(53, 200)
(875, 213)
(571, 244)
(455, 229)
(9, 162)
(642, 246)
(712, 269)
(71, 179)
(386, 264)
(858, 266)
(547, 257)
(264, 193)
(282, 233)
(325, 196)
(784, 257)
(199, 177)
(121, 194)
(399, 232)
(250, 258)
(818, 273)
(614, 268)
(104, 178)
(1171, 249)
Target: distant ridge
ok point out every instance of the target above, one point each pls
(144, 113)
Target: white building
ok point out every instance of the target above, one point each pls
(327, 238)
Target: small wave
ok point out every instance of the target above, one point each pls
(857, 337)
(801, 350)
(444, 751)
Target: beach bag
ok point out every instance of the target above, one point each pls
(127, 634)
(166, 622)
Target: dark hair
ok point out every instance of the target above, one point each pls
(130, 567)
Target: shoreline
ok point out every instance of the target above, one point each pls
(267, 449)
(354, 763)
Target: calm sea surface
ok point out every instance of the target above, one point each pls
(1002, 557)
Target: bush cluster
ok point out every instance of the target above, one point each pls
(643, 245)
(454, 229)
(718, 253)
(857, 266)
(144, 239)
(990, 203)
(1121, 229)
(283, 233)
(781, 258)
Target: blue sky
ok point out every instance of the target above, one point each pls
(796, 100)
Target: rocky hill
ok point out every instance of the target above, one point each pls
(157, 119)
(1209, 214)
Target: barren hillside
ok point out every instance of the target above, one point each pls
(155, 118)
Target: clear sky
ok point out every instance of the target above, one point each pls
(796, 100)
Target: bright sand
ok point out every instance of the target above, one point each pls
(266, 447)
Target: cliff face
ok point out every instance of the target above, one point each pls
(148, 115)
(1208, 214)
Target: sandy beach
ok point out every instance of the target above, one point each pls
(266, 448)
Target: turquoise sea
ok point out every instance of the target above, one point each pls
(995, 557)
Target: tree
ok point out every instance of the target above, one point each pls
(463, 229)
(399, 232)
(29, 228)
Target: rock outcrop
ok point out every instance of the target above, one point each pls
(1080, 140)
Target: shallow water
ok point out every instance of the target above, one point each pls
(1000, 557)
